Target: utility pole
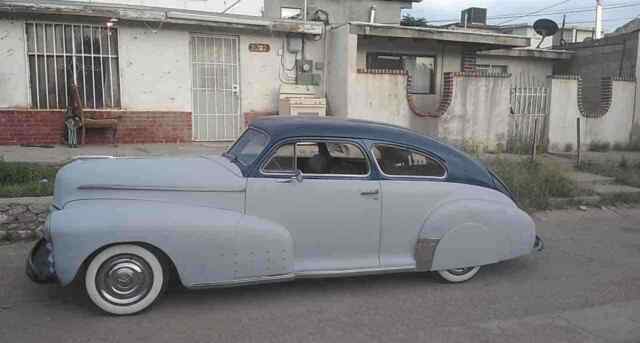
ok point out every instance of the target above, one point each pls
(598, 26)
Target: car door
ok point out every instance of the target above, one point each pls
(413, 185)
(332, 208)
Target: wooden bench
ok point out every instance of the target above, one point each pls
(103, 124)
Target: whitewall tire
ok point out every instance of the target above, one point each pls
(124, 279)
(458, 275)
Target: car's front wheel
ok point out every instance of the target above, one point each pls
(459, 274)
(124, 279)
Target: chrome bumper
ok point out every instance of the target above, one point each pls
(40, 266)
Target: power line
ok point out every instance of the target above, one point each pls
(567, 11)
(608, 20)
(540, 10)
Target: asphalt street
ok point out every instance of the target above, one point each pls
(585, 287)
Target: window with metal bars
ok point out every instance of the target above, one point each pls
(61, 54)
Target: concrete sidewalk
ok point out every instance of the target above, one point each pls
(60, 153)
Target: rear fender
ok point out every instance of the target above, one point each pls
(467, 233)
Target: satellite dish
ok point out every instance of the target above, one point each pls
(545, 28)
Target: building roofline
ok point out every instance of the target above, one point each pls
(157, 14)
(488, 39)
(550, 54)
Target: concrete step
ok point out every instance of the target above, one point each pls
(586, 180)
(614, 189)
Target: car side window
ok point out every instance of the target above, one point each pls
(397, 161)
(282, 161)
(319, 158)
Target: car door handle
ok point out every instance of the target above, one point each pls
(370, 193)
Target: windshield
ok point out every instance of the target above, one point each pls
(248, 147)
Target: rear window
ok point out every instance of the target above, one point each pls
(397, 161)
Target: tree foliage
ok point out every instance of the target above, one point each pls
(409, 20)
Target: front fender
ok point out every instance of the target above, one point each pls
(467, 233)
(207, 245)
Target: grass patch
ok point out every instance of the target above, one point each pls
(26, 179)
(623, 171)
(534, 183)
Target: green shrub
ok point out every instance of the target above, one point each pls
(26, 179)
(599, 146)
(534, 183)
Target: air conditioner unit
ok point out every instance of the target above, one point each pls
(301, 100)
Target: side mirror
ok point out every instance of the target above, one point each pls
(299, 176)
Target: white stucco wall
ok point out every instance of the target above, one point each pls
(14, 83)
(155, 67)
(155, 70)
(380, 97)
(478, 114)
(613, 127)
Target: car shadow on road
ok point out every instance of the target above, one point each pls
(318, 288)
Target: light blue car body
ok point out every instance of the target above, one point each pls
(220, 225)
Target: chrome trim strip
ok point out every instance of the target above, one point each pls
(354, 272)
(304, 275)
(446, 171)
(245, 282)
(91, 157)
(155, 188)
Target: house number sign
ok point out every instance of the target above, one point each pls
(259, 47)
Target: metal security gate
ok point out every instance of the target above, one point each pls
(529, 109)
(215, 88)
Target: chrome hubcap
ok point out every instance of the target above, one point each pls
(460, 271)
(124, 279)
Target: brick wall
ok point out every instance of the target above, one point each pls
(47, 127)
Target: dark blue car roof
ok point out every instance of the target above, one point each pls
(461, 168)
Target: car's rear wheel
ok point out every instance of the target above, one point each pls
(459, 274)
(125, 279)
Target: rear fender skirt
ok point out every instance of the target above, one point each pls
(470, 232)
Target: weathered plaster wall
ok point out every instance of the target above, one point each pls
(260, 87)
(380, 97)
(479, 112)
(13, 65)
(155, 70)
(613, 127)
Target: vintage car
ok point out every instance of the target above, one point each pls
(292, 198)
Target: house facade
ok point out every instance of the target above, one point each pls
(174, 73)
